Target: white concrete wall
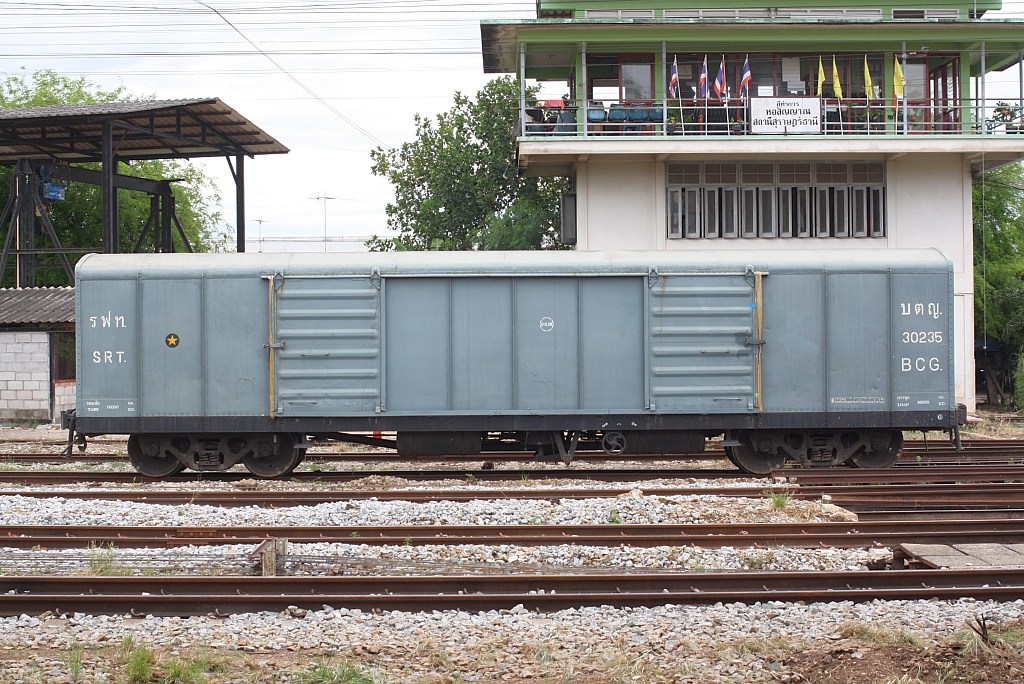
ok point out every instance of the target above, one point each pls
(63, 397)
(621, 205)
(25, 375)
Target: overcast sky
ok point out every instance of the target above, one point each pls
(377, 63)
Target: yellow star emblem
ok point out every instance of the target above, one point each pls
(172, 340)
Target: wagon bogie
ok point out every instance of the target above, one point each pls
(264, 455)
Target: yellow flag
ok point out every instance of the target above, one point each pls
(898, 80)
(837, 86)
(869, 87)
(821, 76)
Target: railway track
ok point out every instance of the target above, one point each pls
(802, 476)
(792, 535)
(893, 498)
(220, 596)
(916, 451)
(601, 475)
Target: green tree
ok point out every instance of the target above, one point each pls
(457, 187)
(78, 218)
(999, 268)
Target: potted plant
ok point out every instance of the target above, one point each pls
(1008, 115)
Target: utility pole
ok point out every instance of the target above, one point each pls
(323, 199)
(259, 244)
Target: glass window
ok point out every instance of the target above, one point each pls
(683, 174)
(794, 173)
(758, 173)
(761, 199)
(637, 82)
(720, 173)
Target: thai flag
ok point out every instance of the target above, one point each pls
(702, 84)
(720, 80)
(746, 78)
(673, 84)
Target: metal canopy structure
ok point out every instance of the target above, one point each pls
(128, 131)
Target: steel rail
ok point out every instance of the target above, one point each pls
(60, 477)
(221, 595)
(915, 453)
(794, 535)
(802, 476)
(929, 474)
(855, 497)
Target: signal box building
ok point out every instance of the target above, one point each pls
(724, 124)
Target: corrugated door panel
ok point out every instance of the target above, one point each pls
(922, 342)
(172, 357)
(107, 348)
(701, 361)
(482, 344)
(793, 363)
(330, 362)
(612, 335)
(418, 356)
(857, 350)
(547, 343)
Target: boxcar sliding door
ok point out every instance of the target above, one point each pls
(326, 345)
(703, 330)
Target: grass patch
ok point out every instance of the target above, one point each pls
(778, 500)
(325, 672)
(1011, 634)
(614, 517)
(879, 635)
(72, 659)
(538, 653)
(765, 646)
(139, 663)
(102, 562)
(758, 560)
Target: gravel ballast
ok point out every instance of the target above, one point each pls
(632, 508)
(720, 643)
(325, 558)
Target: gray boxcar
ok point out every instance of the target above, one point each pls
(208, 360)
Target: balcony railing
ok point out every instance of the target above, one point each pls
(855, 117)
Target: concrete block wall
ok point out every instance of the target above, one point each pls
(63, 397)
(25, 375)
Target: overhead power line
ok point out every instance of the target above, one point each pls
(299, 83)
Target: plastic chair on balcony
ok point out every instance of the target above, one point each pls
(655, 114)
(618, 113)
(566, 123)
(596, 115)
(637, 115)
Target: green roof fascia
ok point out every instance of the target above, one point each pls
(578, 8)
(1004, 38)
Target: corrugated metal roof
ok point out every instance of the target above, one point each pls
(97, 109)
(183, 266)
(154, 129)
(37, 305)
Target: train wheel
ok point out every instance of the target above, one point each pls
(266, 461)
(147, 457)
(884, 455)
(750, 461)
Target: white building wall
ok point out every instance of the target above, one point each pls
(25, 375)
(63, 397)
(621, 205)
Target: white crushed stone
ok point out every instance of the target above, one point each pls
(682, 643)
(350, 559)
(632, 508)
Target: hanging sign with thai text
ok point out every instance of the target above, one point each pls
(782, 115)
